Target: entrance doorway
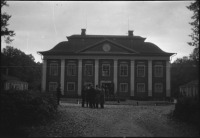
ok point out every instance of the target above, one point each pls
(109, 87)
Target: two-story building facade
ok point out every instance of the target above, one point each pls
(125, 64)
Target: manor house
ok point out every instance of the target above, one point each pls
(126, 64)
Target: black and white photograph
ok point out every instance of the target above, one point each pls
(99, 69)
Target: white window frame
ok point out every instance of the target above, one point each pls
(68, 67)
(55, 67)
(156, 90)
(68, 86)
(138, 87)
(108, 68)
(123, 69)
(138, 70)
(156, 73)
(122, 86)
(85, 69)
(54, 89)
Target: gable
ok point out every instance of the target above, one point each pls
(107, 46)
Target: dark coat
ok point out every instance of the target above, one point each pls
(97, 97)
(102, 96)
(58, 92)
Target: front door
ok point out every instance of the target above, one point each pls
(110, 87)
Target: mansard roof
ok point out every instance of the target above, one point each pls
(78, 42)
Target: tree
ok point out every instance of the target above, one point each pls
(5, 32)
(183, 71)
(21, 66)
(195, 28)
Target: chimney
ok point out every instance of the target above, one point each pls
(130, 33)
(83, 32)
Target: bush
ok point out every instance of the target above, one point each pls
(26, 108)
(187, 110)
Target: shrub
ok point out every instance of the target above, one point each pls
(187, 109)
(26, 108)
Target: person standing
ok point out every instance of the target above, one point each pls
(102, 97)
(83, 95)
(97, 97)
(58, 94)
(87, 96)
(93, 94)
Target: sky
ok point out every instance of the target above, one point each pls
(39, 26)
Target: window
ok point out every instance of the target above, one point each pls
(123, 87)
(7, 86)
(140, 87)
(53, 86)
(140, 70)
(71, 70)
(53, 69)
(158, 87)
(158, 70)
(70, 86)
(88, 70)
(123, 70)
(106, 70)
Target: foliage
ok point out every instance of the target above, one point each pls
(4, 23)
(24, 108)
(21, 66)
(183, 70)
(187, 110)
(195, 34)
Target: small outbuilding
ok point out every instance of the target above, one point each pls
(9, 82)
(190, 89)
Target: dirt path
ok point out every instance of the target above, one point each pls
(115, 120)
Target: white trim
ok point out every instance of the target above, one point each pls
(156, 89)
(102, 69)
(50, 85)
(115, 76)
(79, 76)
(137, 70)
(161, 70)
(44, 73)
(141, 84)
(123, 64)
(96, 72)
(130, 57)
(85, 69)
(150, 78)
(70, 83)
(132, 83)
(62, 77)
(51, 68)
(121, 86)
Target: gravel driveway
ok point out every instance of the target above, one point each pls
(114, 120)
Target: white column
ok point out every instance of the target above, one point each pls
(62, 77)
(115, 76)
(150, 78)
(44, 73)
(132, 77)
(79, 76)
(96, 76)
(168, 79)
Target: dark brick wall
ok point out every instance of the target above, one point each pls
(141, 95)
(52, 78)
(71, 79)
(162, 80)
(123, 79)
(84, 77)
